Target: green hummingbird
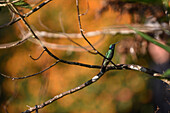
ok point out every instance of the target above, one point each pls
(109, 55)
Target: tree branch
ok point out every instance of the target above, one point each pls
(25, 15)
(152, 73)
(27, 76)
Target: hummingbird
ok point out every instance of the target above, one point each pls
(109, 55)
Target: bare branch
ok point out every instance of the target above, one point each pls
(38, 56)
(150, 72)
(12, 44)
(30, 29)
(27, 76)
(86, 9)
(60, 60)
(80, 27)
(13, 9)
(33, 34)
(112, 30)
(89, 82)
(94, 79)
(12, 19)
(27, 14)
(81, 31)
(80, 64)
(62, 27)
(66, 35)
(58, 46)
(3, 3)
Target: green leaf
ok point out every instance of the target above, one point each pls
(166, 73)
(150, 39)
(167, 8)
(165, 3)
(23, 4)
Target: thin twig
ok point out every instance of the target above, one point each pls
(30, 29)
(89, 82)
(113, 30)
(86, 9)
(35, 36)
(4, 3)
(12, 44)
(14, 10)
(94, 79)
(151, 73)
(80, 64)
(62, 27)
(81, 31)
(27, 14)
(27, 76)
(12, 19)
(38, 56)
(80, 26)
(62, 61)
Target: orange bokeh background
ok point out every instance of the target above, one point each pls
(117, 91)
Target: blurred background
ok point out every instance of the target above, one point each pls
(118, 91)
